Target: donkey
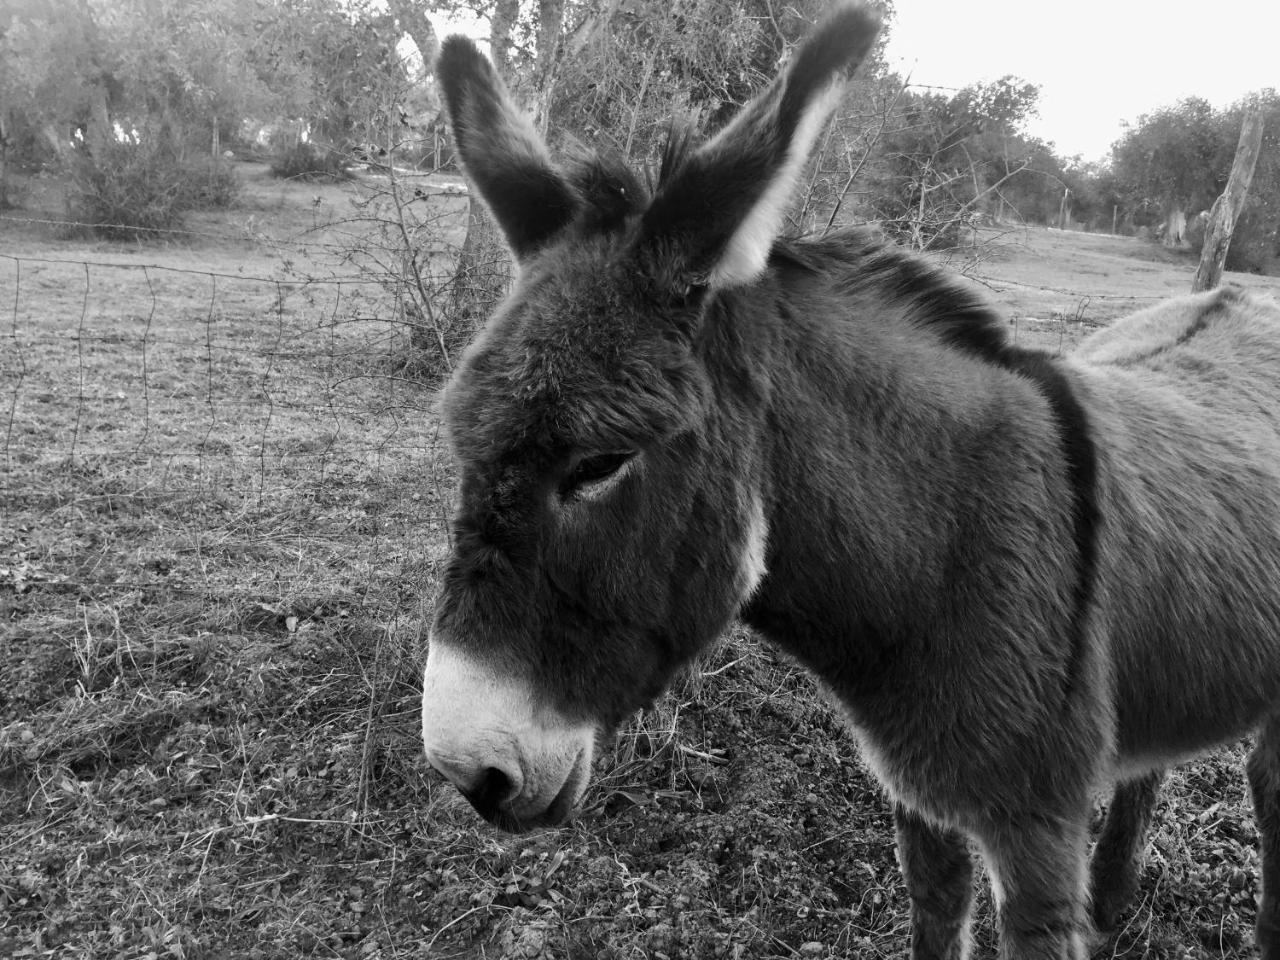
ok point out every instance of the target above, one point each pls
(1026, 578)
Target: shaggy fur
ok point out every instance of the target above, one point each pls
(1025, 578)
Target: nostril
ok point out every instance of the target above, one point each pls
(491, 789)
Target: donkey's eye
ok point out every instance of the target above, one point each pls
(592, 470)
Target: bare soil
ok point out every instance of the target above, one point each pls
(223, 513)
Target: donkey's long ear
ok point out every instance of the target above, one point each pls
(502, 153)
(719, 208)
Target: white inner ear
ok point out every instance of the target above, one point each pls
(747, 251)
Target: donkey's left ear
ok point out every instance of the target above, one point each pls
(719, 208)
(503, 155)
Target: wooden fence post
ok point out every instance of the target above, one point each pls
(1222, 217)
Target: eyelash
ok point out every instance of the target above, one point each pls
(593, 469)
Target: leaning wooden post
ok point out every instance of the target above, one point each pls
(1222, 217)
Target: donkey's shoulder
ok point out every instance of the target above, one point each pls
(1217, 319)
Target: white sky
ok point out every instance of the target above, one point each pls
(1097, 62)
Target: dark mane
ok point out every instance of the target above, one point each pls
(933, 298)
(609, 190)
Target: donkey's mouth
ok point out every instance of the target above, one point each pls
(511, 818)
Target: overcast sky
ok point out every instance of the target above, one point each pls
(1097, 62)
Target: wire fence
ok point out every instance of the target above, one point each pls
(240, 438)
(247, 437)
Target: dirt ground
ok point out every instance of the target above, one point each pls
(224, 501)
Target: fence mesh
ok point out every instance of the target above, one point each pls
(239, 437)
(263, 438)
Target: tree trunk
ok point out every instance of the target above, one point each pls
(550, 28)
(1222, 218)
(483, 270)
(413, 20)
(594, 24)
(505, 14)
(481, 275)
(58, 139)
(1175, 225)
(4, 162)
(99, 132)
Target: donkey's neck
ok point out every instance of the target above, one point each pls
(910, 468)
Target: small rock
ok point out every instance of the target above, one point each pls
(660, 938)
(812, 949)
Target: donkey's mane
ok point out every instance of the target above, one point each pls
(608, 190)
(859, 259)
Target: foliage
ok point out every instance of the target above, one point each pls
(211, 184)
(47, 49)
(342, 57)
(185, 69)
(139, 189)
(195, 73)
(948, 163)
(306, 161)
(1255, 244)
(128, 190)
(1178, 159)
(645, 61)
(1175, 154)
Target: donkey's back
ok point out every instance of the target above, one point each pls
(1184, 403)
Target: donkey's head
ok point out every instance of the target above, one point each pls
(611, 519)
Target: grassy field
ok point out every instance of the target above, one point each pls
(224, 505)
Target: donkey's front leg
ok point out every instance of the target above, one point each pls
(939, 875)
(1038, 870)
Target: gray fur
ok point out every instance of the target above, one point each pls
(1026, 579)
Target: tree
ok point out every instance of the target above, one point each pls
(1170, 163)
(1177, 159)
(51, 76)
(947, 162)
(1222, 219)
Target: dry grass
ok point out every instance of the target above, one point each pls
(223, 510)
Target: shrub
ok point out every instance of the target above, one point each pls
(1254, 244)
(1196, 228)
(304, 161)
(127, 190)
(212, 184)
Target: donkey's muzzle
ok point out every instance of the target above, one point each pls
(519, 763)
(493, 789)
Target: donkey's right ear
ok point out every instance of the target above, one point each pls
(501, 152)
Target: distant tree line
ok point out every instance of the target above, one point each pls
(328, 77)
(199, 74)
